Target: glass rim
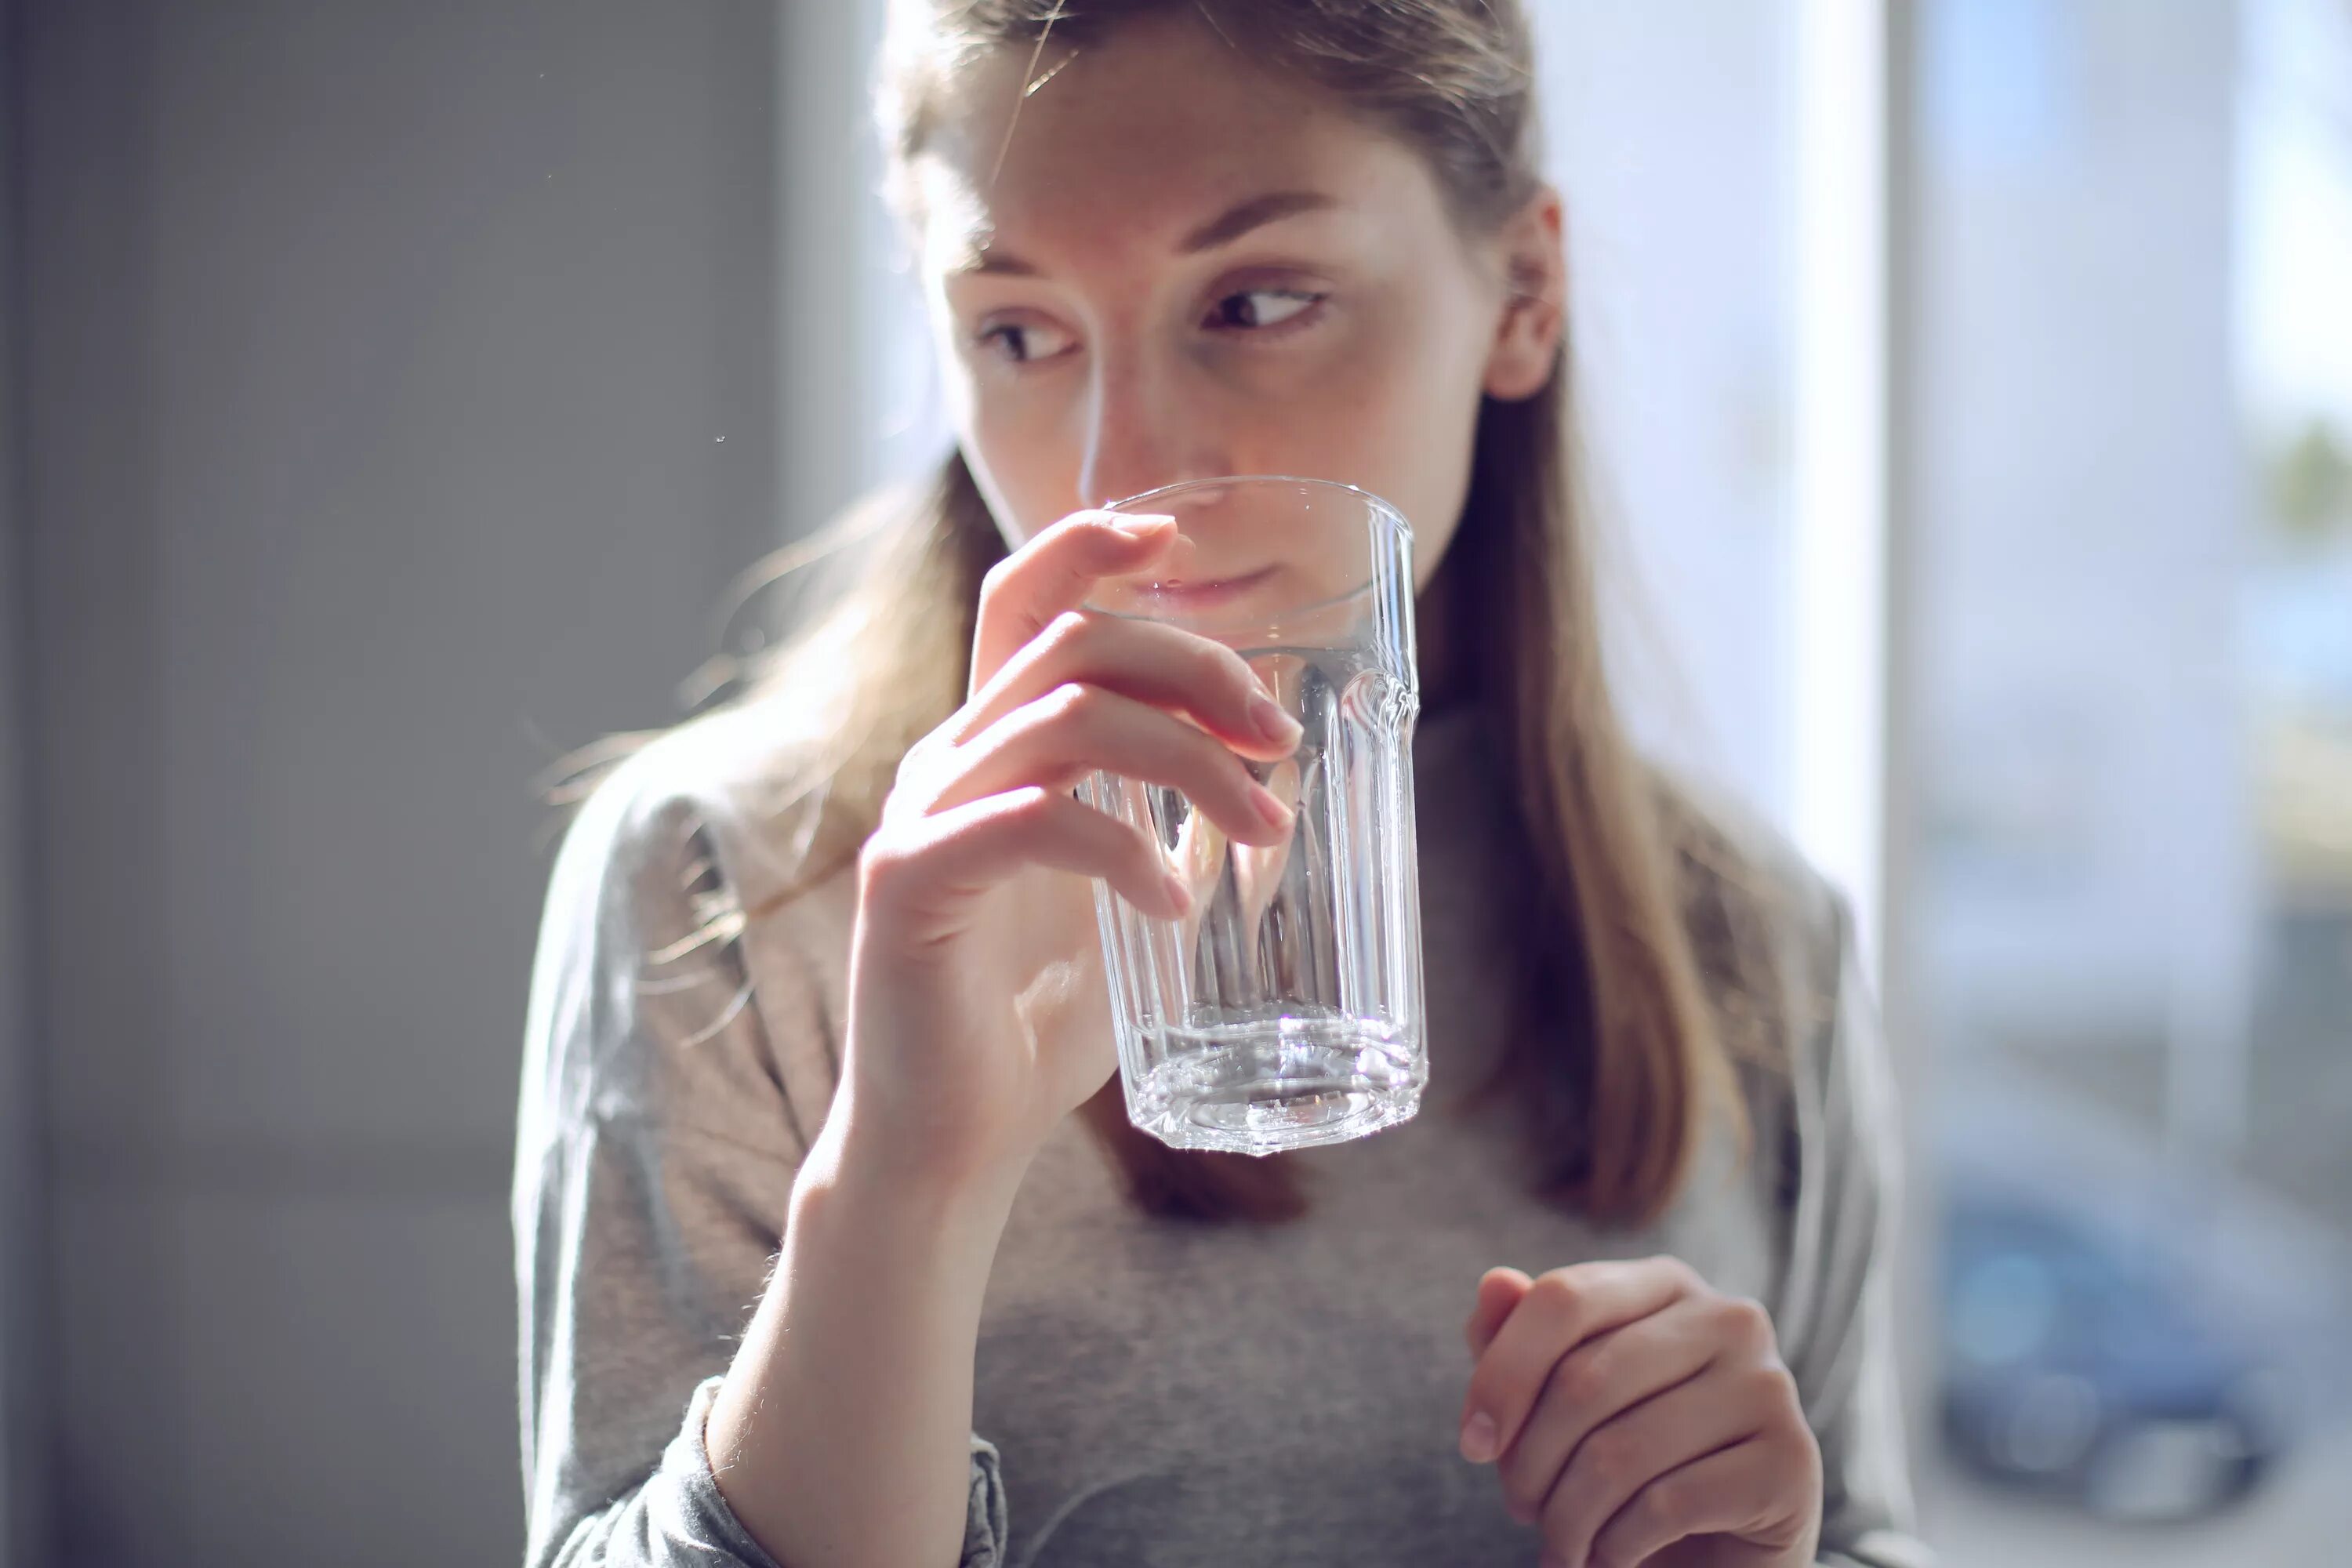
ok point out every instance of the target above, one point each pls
(1385, 510)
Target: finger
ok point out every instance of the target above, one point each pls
(1499, 1290)
(1258, 871)
(1055, 572)
(1197, 862)
(1076, 728)
(1634, 1448)
(927, 869)
(1604, 1376)
(1561, 1311)
(1152, 662)
(1732, 1491)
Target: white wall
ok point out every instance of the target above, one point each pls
(378, 361)
(1669, 127)
(22, 1522)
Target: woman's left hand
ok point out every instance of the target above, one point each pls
(1639, 1417)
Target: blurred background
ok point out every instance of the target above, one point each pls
(392, 392)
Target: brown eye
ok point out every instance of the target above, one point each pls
(1023, 342)
(1249, 309)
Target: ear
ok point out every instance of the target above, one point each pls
(1535, 311)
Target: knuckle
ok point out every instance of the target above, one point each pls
(1660, 1505)
(1066, 632)
(919, 758)
(1554, 1291)
(1750, 1324)
(881, 865)
(923, 776)
(1579, 1379)
(1071, 702)
(996, 580)
(1604, 1461)
(1033, 806)
(1778, 1385)
(1563, 1298)
(1678, 1271)
(1598, 1460)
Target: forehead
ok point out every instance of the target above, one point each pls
(1132, 137)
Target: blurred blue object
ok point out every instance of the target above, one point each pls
(2077, 1362)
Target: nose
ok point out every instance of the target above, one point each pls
(1144, 428)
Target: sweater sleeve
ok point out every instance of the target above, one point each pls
(655, 1152)
(1837, 1311)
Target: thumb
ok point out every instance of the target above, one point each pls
(1500, 1291)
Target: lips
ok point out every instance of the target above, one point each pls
(1178, 595)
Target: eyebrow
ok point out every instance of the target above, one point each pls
(1256, 212)
(1227, 226)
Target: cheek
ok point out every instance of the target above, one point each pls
(1022, 470)
(1408, 420)
(1002, 455)
(1013, 453)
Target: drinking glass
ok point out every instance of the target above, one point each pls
(1285, 1009)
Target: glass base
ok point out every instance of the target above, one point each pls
(1249, 1089)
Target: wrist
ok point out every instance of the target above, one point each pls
(855, 1181)
(866, 1144)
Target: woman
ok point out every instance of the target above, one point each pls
(818, 987)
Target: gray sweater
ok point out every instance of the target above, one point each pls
(1147, 1392)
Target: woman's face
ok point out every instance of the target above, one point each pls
(1176, 266)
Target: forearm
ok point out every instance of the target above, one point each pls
(842, 1435)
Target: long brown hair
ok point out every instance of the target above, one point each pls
(1631, 982)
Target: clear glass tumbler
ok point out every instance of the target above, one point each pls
(1284, 1010)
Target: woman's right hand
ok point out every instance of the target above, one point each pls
(979, 1013)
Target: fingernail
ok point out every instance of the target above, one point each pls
(1276, 815)
(1179, 894)
(1149, 525)
(1478, 1438)
(1273, 722)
